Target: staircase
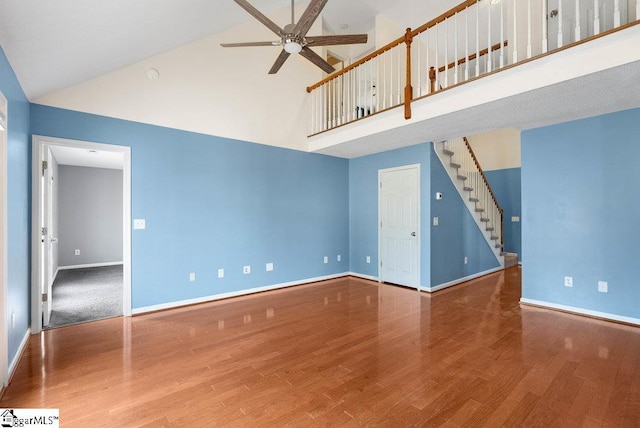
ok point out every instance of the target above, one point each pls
(461, 164)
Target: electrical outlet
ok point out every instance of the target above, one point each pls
(246, 269)
(515, 219)
(603, 286)
(220, 273)
(339, 257)
(139, 223)
(326, 259)
(368, 259)
(436, 221)
(269, 267)
(192, 276)
(568, 281)
(77, 252)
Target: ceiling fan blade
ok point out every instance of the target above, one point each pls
(279, 61)
(260, 17)
(309, 17)
(346, 39)
(241, 45)
(317, 60)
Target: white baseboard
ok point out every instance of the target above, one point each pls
(214, 297)
(16, 359)
(580, 311)
(89, 265)
(460, 280)
(363, 276)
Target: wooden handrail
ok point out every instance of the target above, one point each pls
(483, 52)
(448, 14)
(486, 182)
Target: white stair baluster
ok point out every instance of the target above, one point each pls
(419, 47)
(455, 50)
(466, 44)
(616, 14)
(477, 39)
(436, 87)
(400, 91)
(515, 32)
(545, 32)
(637, 10)
(489, 62)
(501, 35)
(577, 27)
(428, 79)
(596, 17)
(446, 53)
(529, 48)
(560, 18)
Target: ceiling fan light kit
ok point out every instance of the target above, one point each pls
(293, 38)
(292, 44)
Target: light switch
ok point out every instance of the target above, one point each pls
(515, 219)
(220, 273)
(139, 223)
(436, 221)
(269, 267)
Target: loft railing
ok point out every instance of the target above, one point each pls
(471, 40)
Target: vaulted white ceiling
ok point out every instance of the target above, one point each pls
(52, 45)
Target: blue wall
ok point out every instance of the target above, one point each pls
(580, 206)
(457, 235)
(214, 203)
(363, 206)
(18, 205)
(507, 188)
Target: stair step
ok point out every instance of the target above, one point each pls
(490, 229)
(473, 199)
(498, 245)
(479, 209)
(494, 237)
(462, 177)
(469, 189)
(484, 220)
(447, 152)
(455, 165)
(510, 259)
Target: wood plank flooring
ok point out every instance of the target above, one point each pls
(346, 352)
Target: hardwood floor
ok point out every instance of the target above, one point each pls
(345, 352)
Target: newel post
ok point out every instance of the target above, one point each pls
(408, 89)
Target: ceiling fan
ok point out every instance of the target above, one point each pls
(293, 37)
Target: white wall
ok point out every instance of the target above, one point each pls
(208, 89)
(497, 149)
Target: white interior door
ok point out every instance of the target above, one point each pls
(399, 233)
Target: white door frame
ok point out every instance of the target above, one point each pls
(415, 166)
(38, 143)
(4, 333)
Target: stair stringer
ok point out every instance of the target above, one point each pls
(471, 206)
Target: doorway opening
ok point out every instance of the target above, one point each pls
(81, 232)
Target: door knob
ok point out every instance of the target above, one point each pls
(413, 234)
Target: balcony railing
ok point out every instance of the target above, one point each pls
(469, 41)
